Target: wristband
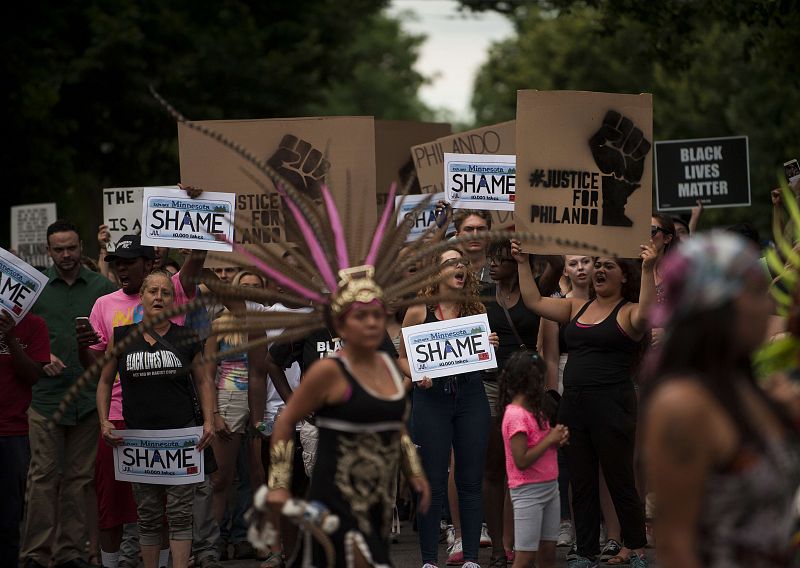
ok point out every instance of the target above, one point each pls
(281, 461)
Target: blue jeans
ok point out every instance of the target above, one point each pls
(453, 413)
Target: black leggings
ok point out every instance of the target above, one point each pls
(602, 428)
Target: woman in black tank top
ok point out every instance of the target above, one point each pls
(359, 400)
(599, 402)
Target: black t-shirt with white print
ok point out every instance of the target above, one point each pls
(156, 393)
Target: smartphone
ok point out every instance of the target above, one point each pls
(792, 170)
(83, 322)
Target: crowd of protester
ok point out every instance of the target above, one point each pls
(549, 450)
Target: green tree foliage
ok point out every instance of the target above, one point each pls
(76, 97)
(715, 68)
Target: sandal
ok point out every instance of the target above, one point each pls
(273, 560)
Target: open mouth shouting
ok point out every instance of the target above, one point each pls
(460, 276)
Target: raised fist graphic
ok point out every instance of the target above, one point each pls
(301, 164)
(619, 150)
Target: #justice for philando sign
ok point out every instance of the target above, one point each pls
(450, 347)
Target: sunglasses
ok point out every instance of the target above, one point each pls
(454, 262)
(654, 230)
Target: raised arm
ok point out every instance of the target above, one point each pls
(548, 283)
(694, 220)
(647, 292)
(191, 270)
(555, 309)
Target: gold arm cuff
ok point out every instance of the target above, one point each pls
(409, 460)
(281, 460)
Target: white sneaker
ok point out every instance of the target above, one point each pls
(427, 565)
(455, 553)
(470, 565)
(486, 542)
(565, 534)
(451, 535)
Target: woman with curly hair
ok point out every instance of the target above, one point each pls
(450, 412)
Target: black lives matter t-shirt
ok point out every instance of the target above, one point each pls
(316, 346)
(156, 393)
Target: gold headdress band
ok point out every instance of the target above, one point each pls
(356, 285)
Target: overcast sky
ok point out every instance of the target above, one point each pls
(455, 47)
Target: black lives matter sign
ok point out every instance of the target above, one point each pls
(715, 171)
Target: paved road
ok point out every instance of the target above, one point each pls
(405, 554)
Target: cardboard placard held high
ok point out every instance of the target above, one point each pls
(584, 169)
(309, 152)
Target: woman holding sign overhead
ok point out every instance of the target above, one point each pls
(603, 337)
(450, 411)
(159, 372)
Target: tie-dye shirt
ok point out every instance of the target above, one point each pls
(117, 309)
(232, 373)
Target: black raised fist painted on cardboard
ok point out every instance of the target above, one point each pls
(619, 149)
(301, 164)
(305, 168)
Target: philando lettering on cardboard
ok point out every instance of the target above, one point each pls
(20, 285)
(449, 347)
(170, 218)
(162, 457)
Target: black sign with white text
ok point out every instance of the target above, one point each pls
(714, 170)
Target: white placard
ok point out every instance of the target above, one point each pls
(170, 218)
(480, 181)
(122, 212)
(20, 285)
(403, 205)
(449, 347)
(29, 232)
(163, 457)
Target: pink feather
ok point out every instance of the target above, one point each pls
(378, 237)
(313, 244)
(276, 275)
(336, 227)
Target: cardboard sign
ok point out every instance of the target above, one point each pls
(29, 232)
(584, 163)
(429, 158)
(122, 212)
(479, 181)
(163, 457)
(393, 138)
(20, 285)
(714, 170)
(170, 218)
(424, 220)
(338, 151)
(450, 347)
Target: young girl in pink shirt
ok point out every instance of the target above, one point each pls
(531, 463)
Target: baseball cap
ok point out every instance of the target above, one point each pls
(130, 246)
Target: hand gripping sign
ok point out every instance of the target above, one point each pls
(450, 347)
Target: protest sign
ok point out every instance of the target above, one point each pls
(449, 347)
(715, 171)
(162, 457)
(309, 152)
(425, 219)
(122, 212)
(585, 174)
(393, 138)
(29, 232)
(429, 158)
(20, 285)
(480, 181)
(170, 218)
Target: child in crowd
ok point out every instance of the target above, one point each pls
(531, 462)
